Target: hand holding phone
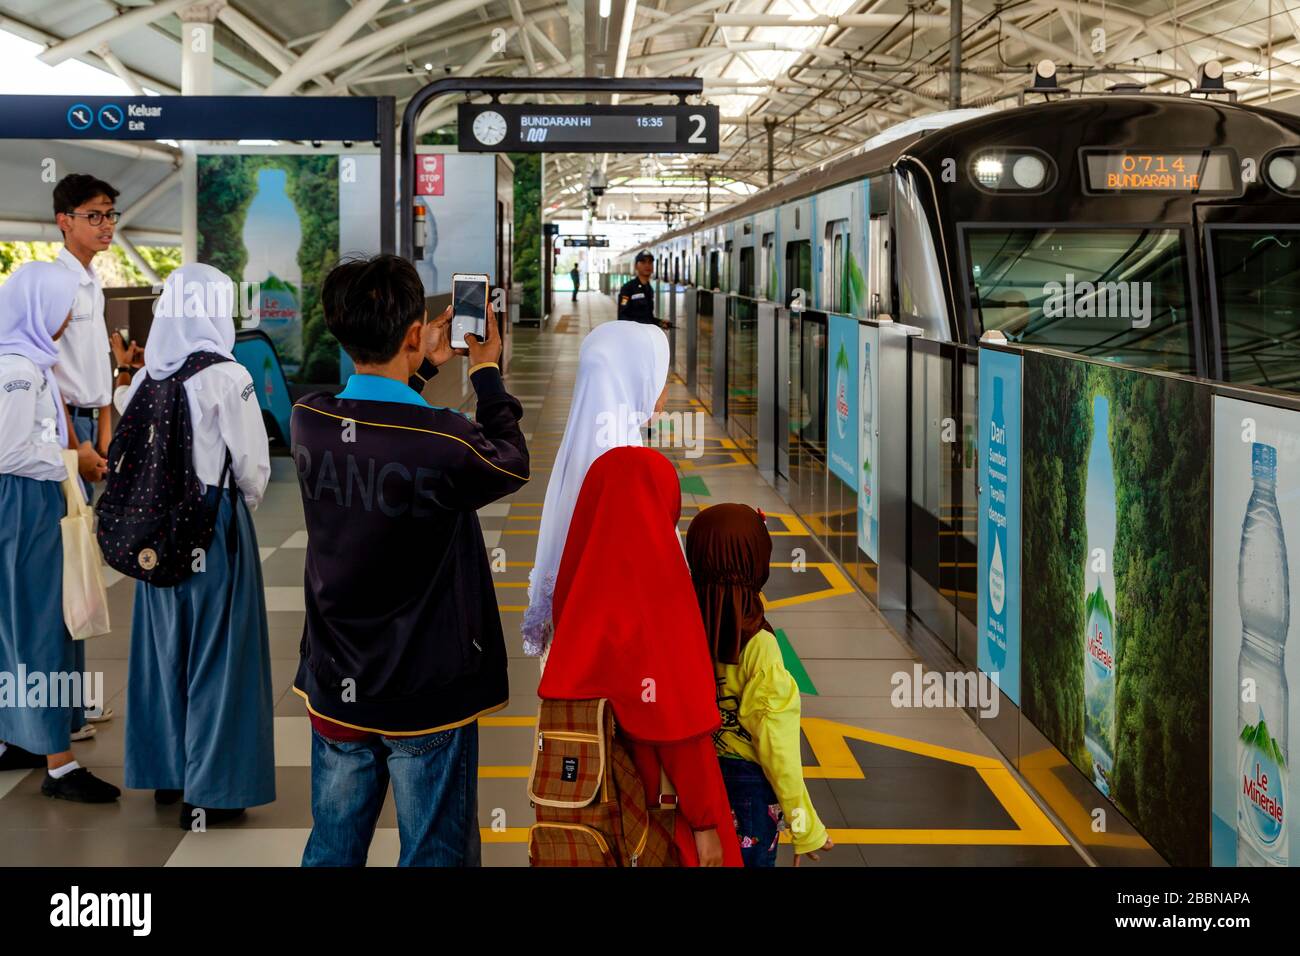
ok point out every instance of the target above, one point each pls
(488, 349)
(469, 305)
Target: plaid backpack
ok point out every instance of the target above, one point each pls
(589, 798)
(152, 514)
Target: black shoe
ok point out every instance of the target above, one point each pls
(165, 798)
(211, 815)
(80, 786)
(15, 758)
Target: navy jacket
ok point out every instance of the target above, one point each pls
(402, 632)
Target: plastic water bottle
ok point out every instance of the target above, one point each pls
(1263, 593)
(866, 509)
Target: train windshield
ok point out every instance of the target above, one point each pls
(1257, 300)
(1115, 294)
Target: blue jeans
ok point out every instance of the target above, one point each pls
(435, 787)
(756, 809)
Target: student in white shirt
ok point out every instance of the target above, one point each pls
(199, 712)
(83, 210)
(35, 305)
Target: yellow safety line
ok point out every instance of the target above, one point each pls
(839, 584)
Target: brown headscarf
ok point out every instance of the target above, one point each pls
(729, 550)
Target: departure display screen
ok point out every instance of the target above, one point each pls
(1145, 171)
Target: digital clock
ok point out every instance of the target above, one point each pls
(1142, 171)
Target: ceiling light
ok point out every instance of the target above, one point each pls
(604, 8)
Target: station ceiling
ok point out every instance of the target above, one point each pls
(828, 74)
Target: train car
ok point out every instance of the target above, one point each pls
(1153, 230)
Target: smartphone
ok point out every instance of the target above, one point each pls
(469, 296)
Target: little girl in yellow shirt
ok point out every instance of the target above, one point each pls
(729, 551)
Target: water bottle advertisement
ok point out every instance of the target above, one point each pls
(1115, 595)
(842, 388)
(999, 517)
(1256, 518)
(868, 445)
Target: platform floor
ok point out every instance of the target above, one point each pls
(895, 786)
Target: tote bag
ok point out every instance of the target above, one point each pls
(85, 597)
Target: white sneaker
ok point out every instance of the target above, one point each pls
(99, 715)
(85, 733)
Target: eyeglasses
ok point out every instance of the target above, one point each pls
(97, 218)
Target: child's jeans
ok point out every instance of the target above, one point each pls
(755, 808)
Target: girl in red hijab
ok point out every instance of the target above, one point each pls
(627, 628)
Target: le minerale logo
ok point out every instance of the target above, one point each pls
(102, 910)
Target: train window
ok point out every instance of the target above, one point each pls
(747, 271)
(878, 266)
(921, 300)
(713, 270)
(728, 278)
(1257, 300)
(798, 272)
(1116, 294)
(767, 266)
(839, 258)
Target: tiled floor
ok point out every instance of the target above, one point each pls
(896, 786)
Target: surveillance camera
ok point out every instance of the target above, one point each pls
(598, 190)
(410, 68)
(347, 144)
(316, 143)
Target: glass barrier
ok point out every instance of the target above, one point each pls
(742, 373)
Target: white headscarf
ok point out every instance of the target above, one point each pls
(622, 369)
(194, 313)
(34, 304)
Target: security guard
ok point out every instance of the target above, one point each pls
(636, 300)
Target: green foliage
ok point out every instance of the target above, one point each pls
(112, 266)
(1258, 736)
(528, 231)
(1057, 431)
(1159, 439)
(227, 185)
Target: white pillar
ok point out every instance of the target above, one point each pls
(196, 80)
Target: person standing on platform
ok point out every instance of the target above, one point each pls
(636, 299)
(576, 276)
(35, 308)
(199, 720)
(628, 629)
(84, 213)
(403, 650)
(622, 381)
(730, 551)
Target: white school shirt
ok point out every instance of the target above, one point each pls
(85, 367)
(224, 413)
(29, 440)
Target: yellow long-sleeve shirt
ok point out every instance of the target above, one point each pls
(759, 702)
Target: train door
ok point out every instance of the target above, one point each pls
(878, 266)
(834, 294)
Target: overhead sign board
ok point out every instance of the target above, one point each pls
(513, 127)
(190, 117)
(586, 241)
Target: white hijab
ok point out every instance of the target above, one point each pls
(194, 313)
(34, 304)
(622, 369)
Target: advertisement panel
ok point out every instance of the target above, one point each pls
(1115, 595)
(868, 443)
(1256, 516)
(842, 387)
(999, 520)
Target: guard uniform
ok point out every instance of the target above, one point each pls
(636, 301)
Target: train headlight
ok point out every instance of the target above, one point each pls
(1012, 170)
(1282, 171)
(988, 170)
(1029, 172)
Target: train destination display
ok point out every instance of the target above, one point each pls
(1189, 171)
(588, 129)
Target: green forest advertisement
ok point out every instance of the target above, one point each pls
(274, 220)
(1116, 519)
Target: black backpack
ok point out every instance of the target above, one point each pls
(153, 513)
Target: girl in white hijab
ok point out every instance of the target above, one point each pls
(35, 304)
(622, 376)
(199, 713)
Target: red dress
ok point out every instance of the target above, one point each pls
(628, 628)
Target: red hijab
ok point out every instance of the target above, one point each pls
(624, 610)
(730, 551)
